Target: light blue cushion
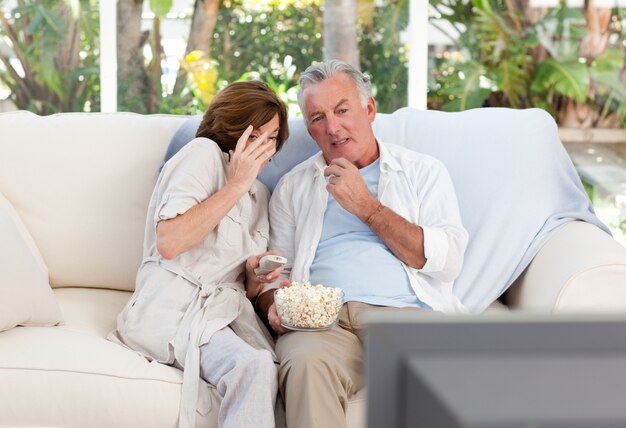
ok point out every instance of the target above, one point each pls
(184, 134)
(514, 180)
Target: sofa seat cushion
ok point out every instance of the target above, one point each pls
(75, 377)
(91, 310)
(72, 376)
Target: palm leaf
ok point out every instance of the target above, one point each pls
(463, 89)
(569, 78)
(514, 83)
(605, 73)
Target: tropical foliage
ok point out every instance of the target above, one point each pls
(567, 61)
(54, 65)
(51, 58)
(384, 55)
(275, 42)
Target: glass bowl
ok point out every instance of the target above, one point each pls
(303, 307)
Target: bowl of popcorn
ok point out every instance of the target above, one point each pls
(307, 307)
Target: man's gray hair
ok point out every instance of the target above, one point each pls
(321, 71)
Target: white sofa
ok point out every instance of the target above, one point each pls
(79, 185)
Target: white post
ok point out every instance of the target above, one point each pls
(418, 53)
(108, 55)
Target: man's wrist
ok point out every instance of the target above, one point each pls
(375, 213)
(263, 301)
(255, 298)
(367, 210)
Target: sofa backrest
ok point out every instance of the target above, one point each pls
(514, 181)
(81, 183)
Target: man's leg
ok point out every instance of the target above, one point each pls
(318, 372)
(245, 378)
(354, 319)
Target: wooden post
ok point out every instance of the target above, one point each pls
(108, 55)
(418, 53)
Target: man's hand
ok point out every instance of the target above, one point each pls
(267, 308)
(348, 188)
(274, 320)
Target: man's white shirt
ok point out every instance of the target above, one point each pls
(413, 185)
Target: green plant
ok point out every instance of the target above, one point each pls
(564, 60)
(53, 43)
(281, 79)
(257, 38)
(56, 43)
(609, 207)
(384, 55)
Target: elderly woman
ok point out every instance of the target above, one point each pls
(206, 230)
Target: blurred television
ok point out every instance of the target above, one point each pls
(496, 370)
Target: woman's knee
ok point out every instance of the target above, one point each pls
(265, 361)
(258, 360)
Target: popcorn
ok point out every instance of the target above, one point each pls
(308, 306)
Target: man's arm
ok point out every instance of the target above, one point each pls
(404, 239)
(267, 310)
(436, 246)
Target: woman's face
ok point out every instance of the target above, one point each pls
(272, 127)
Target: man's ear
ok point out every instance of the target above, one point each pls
(371, 109)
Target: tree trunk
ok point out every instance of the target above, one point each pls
(576, 115)
(131, 70)
(200, 34)
(155, 71)
(340, 31)
(68, 58)
(582, 115)
(594, 43)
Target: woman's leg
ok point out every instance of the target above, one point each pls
(246, 379)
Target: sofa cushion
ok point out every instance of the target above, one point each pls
(26, 298)
(81, 182)
(72, 376)
(580, 269)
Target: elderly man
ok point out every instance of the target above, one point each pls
(380, 221)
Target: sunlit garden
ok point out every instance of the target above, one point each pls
(172, 57)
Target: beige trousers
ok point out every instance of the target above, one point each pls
(319, 371)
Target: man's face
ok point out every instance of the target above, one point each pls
(338, 122)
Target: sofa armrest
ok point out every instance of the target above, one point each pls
(580, 268)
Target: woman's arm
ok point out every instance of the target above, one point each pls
(187, 230)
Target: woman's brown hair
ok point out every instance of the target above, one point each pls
(239, 105)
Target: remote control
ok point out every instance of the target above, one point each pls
(269, 263)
